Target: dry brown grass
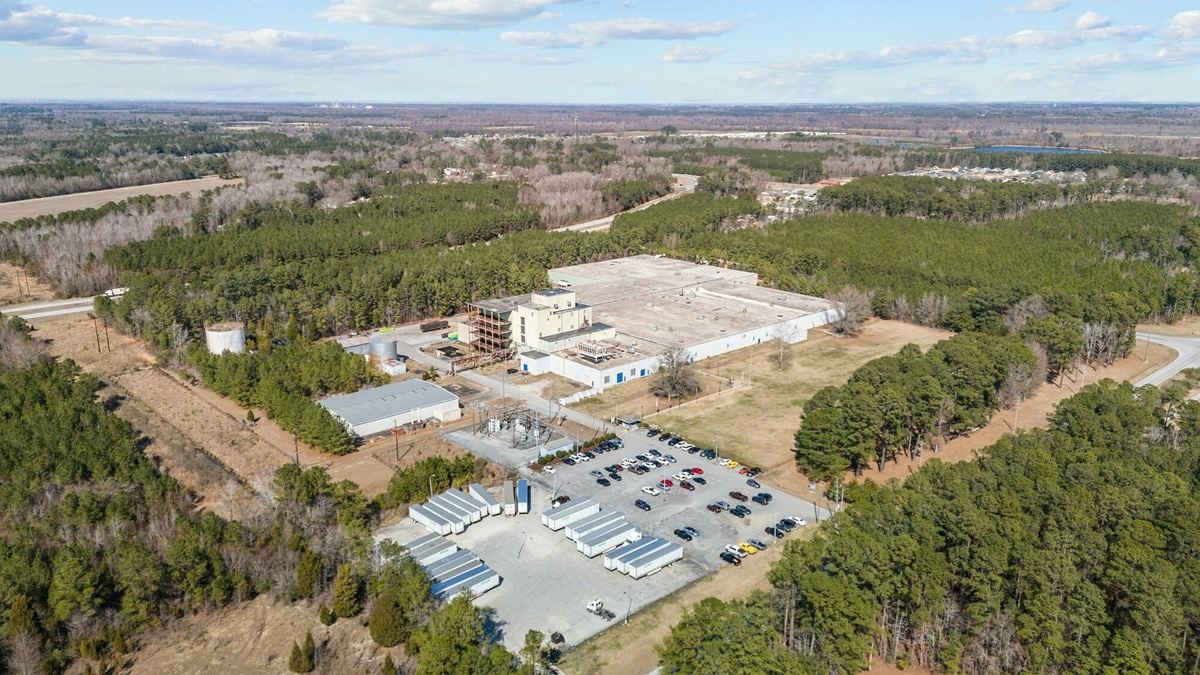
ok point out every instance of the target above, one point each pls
(46, 206)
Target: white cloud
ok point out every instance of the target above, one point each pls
(652, 29)
(551, 40)
(691, 54)
(1040, 6)
(1184, 26)
(967, 50)
(1090, 20)
(435, 14)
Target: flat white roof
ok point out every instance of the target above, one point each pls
(390, 400)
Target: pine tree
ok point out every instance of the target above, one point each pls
(345, 592)
(387, 622)
(297, 662)
(327, 616)
(389, 666)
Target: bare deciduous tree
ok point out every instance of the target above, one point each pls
(931, 310)
(675, 378)
(856, 308)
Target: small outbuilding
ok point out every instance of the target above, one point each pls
(378, 409)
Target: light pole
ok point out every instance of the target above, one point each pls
(628, 607)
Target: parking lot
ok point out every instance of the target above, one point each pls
(678, 508)
(547, 583)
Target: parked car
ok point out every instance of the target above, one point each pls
(653, 431)
(744, 470)
(549, 470)
(683, 535)
(615, 476)
(738, 513)
(754, 471)
(696, 471)
(745, 546)
(691, 530)
(785, 525)
(512, 371)
(698, 480)
(753, 483)
(686, 485)
(766, 495)
(584, 458)
(666, 483)
(730, 558)
(603, 481)
(653, 492)
(724, 505)
(760, 545)
(774, 531)
(714, 508)
(641, 505)
(589, 455)
(641, 458)
(759, 500)
(561, 499)
(569, 461)
(664, 435)
(738, 496)
(800, 522)
(735, 550)
(732, 464)
(596, 473)
(742, 509)
(654, 452)
(679, 475)
(669, 458)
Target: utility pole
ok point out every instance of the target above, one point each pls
(431, 486)
(96, 329)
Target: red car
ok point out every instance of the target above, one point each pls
(739, 496)
(696, 471)
(666, 482)
(744, 470)
(686, 485)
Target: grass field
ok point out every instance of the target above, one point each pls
(755, 421)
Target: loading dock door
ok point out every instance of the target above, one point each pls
(643, 374)
(620, 378)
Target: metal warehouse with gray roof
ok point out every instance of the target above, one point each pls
(378, 409)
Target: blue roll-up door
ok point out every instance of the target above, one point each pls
(620, 378)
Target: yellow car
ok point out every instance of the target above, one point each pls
(747, 548)
(732, 465)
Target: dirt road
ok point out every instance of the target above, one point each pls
(48, 206)
(684, 184)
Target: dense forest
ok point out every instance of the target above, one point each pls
(284, 379)
(1070, 549)
(902, 403)
(789, 166)
(1126, 164)
(974, 201)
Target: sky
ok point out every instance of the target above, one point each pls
(601, 51)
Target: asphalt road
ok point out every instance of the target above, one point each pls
(49, 308)
(684, 184)
(1189, 357)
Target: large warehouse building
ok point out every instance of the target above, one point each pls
(607, 322)
(375, 410)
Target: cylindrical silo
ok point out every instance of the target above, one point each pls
(225, 337)
(383, 347)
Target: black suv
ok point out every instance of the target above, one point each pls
(642, 505)
(730, 558)
(683, 535)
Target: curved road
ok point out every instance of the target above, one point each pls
(1188, 349)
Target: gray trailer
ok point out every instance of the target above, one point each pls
(613, 558)
(607, 539)
(494, 508)
(509, 493)
(474, 508)
(572, 530)
(427, 555)
(455, 570)
(524, 496)
(451, 561)
(625, 563)
(452, 505)
(558, 518)
(435, 522)
(653, 562)
(458, 523)
(579, 529)
(476, 582)
(420, 541)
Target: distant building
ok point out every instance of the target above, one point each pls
(607, 322)
(375, 410)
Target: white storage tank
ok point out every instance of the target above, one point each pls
(383, 347)
(229, 336)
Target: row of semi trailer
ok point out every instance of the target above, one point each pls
(596, 531)
(451, 570)
(453, 510)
